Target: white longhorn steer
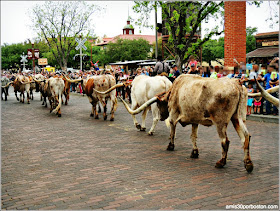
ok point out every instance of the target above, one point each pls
(143, 89)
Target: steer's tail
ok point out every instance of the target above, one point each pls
(167, 123)
(59, 102)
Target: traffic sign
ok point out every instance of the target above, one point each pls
(81, 44)
(23, 58)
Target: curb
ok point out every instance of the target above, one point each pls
(263, 118)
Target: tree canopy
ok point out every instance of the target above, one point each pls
(59, 23)
(124, 49)
(250, 39)
(183, 21)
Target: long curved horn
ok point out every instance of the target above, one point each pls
(267, 96)
(71, 81)
(7, 85)
(141, 108)
(109, 90)
(271, 90)
(29, 82)
(37, 81)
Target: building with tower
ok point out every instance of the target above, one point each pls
(128, 33)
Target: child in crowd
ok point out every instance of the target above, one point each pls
(171, 74)
(250, 99)
(273, 77)
(257, 103)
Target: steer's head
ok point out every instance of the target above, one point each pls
(162, 103)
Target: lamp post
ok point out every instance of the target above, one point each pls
(156, 50)
(33, 57)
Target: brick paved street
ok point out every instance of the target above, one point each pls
(78, 162)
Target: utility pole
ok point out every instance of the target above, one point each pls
(156, 53)
(33, 57)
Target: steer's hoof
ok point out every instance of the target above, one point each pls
(249, 166)
(151, 133)
(105, 117)
(138, 126)
(96, 117)
(170, 147)
(220, 163)
(59, 115)
(28, 102)
(194, 153)
(142, 129)
(112, 119)
(91, 115)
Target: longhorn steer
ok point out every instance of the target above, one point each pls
(32, 86)
(5, 83)
(22, 84)
(195, 100)
(100, 83)
(143, 89)
(53, 89)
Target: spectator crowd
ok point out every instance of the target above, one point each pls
(266, 74)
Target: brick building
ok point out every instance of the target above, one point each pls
(235, 32)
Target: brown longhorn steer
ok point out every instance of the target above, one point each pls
(22, 84)
(100, 83)
(195, 100)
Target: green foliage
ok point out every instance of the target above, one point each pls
(124, 49)
(250, 39)
(183, 21)
(11, 54)
(213, 50)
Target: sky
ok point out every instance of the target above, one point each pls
(15, 20)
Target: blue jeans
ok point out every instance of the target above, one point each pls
(268, 106)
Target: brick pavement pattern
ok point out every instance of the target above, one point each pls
(78, 162)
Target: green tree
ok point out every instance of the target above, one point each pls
(250, 39)
(11, 55)
(59, 23)
(183, 20)
(124, 49)
(213, 50)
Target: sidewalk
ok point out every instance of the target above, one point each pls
(264, 118)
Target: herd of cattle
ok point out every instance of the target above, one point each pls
(190, 99)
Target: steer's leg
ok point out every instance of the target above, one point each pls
(155, 113)
(193, 137)
(221, 128)
(28, 97)
(133, 107)
(244, 135)
(16, 96)
(113, 106)
(144, 115)
(22, 97)
(104, 109)
(172, 136)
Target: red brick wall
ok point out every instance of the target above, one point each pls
(235, 32)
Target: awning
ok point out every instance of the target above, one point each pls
(129, 62)
(153, 63)
(263, 52)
